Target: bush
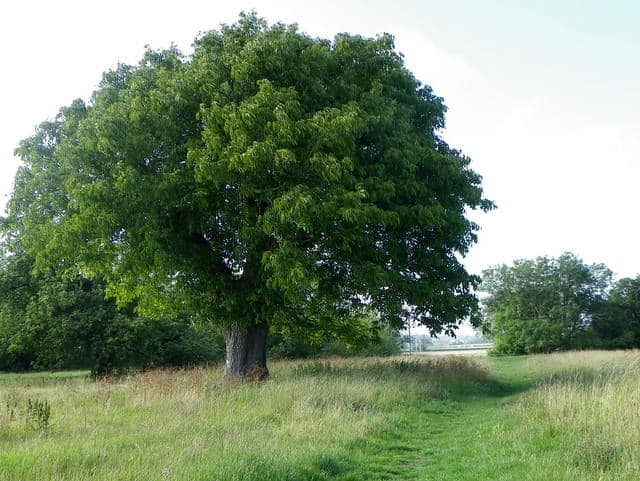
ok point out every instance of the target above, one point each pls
(47, 322)
(377, 342)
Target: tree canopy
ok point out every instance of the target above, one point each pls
(47, 322)
(617, 323)
(267, 179)
(544, 304)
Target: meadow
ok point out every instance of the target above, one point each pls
(570, 416)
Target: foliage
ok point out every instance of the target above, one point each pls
(269, 177)
(544, 304)
(47, 322)
(51, 323)
(617, 323)
(363, 335)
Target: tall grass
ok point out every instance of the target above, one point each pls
(180, 425)
(583, 420)
(560, 417)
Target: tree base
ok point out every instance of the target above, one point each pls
(246, 353)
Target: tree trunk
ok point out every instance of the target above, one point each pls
(246, 353)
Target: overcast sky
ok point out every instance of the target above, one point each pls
(544, 98)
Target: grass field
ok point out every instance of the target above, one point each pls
(571, 416)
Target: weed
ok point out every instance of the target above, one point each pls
(38, 413)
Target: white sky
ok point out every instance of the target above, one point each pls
(544, 100)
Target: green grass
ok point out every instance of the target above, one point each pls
(44, 377)
(568, 416)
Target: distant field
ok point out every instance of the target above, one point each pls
(567, 416)
(475, 351)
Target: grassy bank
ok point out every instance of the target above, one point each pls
(570, 416)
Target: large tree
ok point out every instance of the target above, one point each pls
(268, 179)
(543, 304)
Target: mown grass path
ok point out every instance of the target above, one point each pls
(455, 439)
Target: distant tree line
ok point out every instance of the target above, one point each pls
(550, 304)
(51, 322)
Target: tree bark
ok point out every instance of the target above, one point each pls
(246, 353)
